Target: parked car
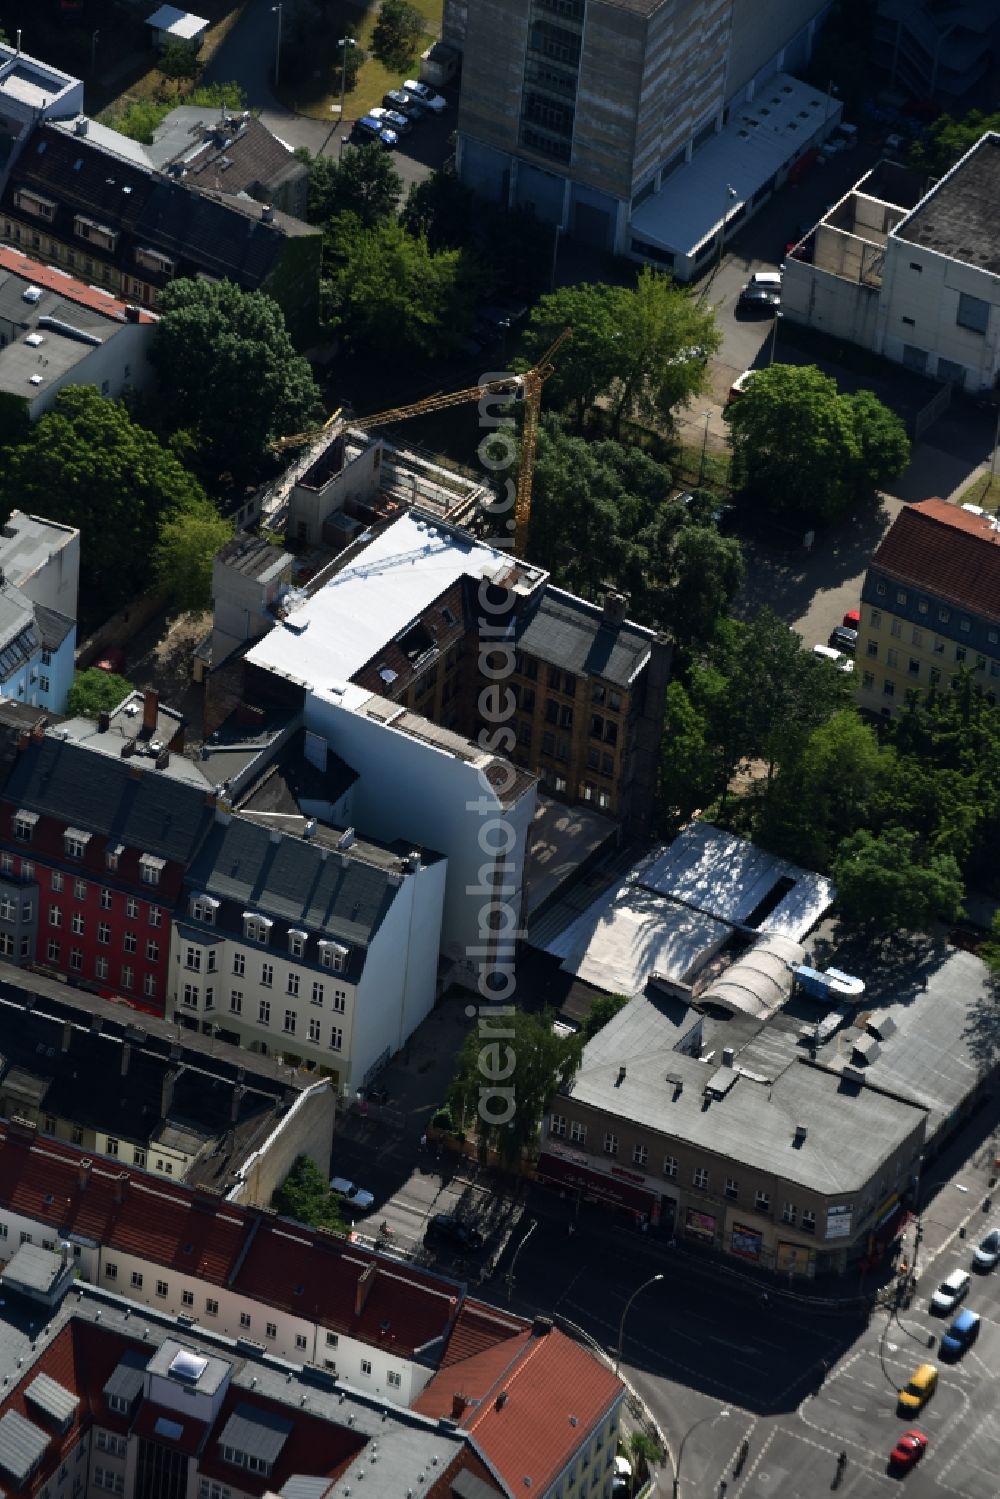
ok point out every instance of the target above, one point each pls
(961, 1335)
(370, 128)
(988, 1253)
(739, 385)
(915, 1395)
(908, 1450)
(397, 98)
(852, 619)
(449, 1230)
(113, 660)
(759, 299)
(621, 1483)
(392, 119)
(425, 96)
(844, 639)
(835, 658)
(950, 1292)
(357, 1197)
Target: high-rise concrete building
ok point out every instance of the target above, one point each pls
(579, 110)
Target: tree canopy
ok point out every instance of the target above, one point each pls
(363, 182)
(803, 452)
(948, 139)
(604, 1008)
(94, 691)
(505, 1074)
(397, 34)
(888, 882)
(188, 539)
(305, 1196)
(388, 289)
(229, 373)
(87, 464)
(642, 349)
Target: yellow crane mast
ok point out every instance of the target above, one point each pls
(526, 389)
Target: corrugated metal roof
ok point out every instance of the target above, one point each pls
(52, 1398)
(21, 1445)
(255, 1432)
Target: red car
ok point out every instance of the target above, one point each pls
(908, 1450)
(852, 619)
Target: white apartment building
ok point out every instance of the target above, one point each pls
(314, 945)
(913, 275)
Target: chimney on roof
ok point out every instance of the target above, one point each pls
(363, 1289)
(121, 1186)
(615, 605)
(500, 1401)
(126, 1058)
(81, 125)
(799, 1138)
(150, 709)
(621, 1076)
(728, 1056)
(103, 722)
(67, 1036)
(162, 760)
(167, 1091)
(267, 213)
(128, 748)
(38, 730)
(459, 1405)
(85, 1168)
(132, 313)
(541, 1327)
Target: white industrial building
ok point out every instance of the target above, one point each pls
(912, 275)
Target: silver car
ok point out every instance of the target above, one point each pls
(355, 1197)
(988, 1253)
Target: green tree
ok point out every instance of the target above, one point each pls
(442, 209)
(702, 574)
(504, 1078)
(305, 1196)
(229, 373)
(94, 691)
(839, 783)
(364, 182)
(666, 335)
(948, 139)
(887, 882)
(586, 365)
(882, 440)
(87, 464)
(387, 289)
(397, 34)
(804, 452)
(188, 540)
(604, 1008)
(179, 61)
(689, 770)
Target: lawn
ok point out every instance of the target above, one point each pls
(316, 91)
(982, 491)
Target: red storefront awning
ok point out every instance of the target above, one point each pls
(563, 1173)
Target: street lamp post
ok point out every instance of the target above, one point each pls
(705, 1420)
(276, 10)
(731, 194)
(774, 338)
(517, 1251)
(704, 449)
(621, 1326)
(343, 44)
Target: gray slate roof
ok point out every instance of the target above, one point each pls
(291, 879)
(258, 1433)
(53, 627)
(127, 1377)
(149, 810)
(568, 632)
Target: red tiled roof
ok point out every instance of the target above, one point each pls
(950, 552)
(67, 286)
(554, 1395)
(403, 1309)
(478, 1327)
(169, 1226)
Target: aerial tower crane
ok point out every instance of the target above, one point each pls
(525, 389)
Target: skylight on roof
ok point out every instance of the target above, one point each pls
(187, 1366)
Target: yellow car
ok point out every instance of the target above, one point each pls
(923, 1383)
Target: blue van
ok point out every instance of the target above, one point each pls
(961, 1335)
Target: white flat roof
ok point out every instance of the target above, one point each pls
(630, 933)
(179, 23)
(728, 878)
(372, 600)
(761, 138)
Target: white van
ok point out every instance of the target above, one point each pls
(835, 658)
